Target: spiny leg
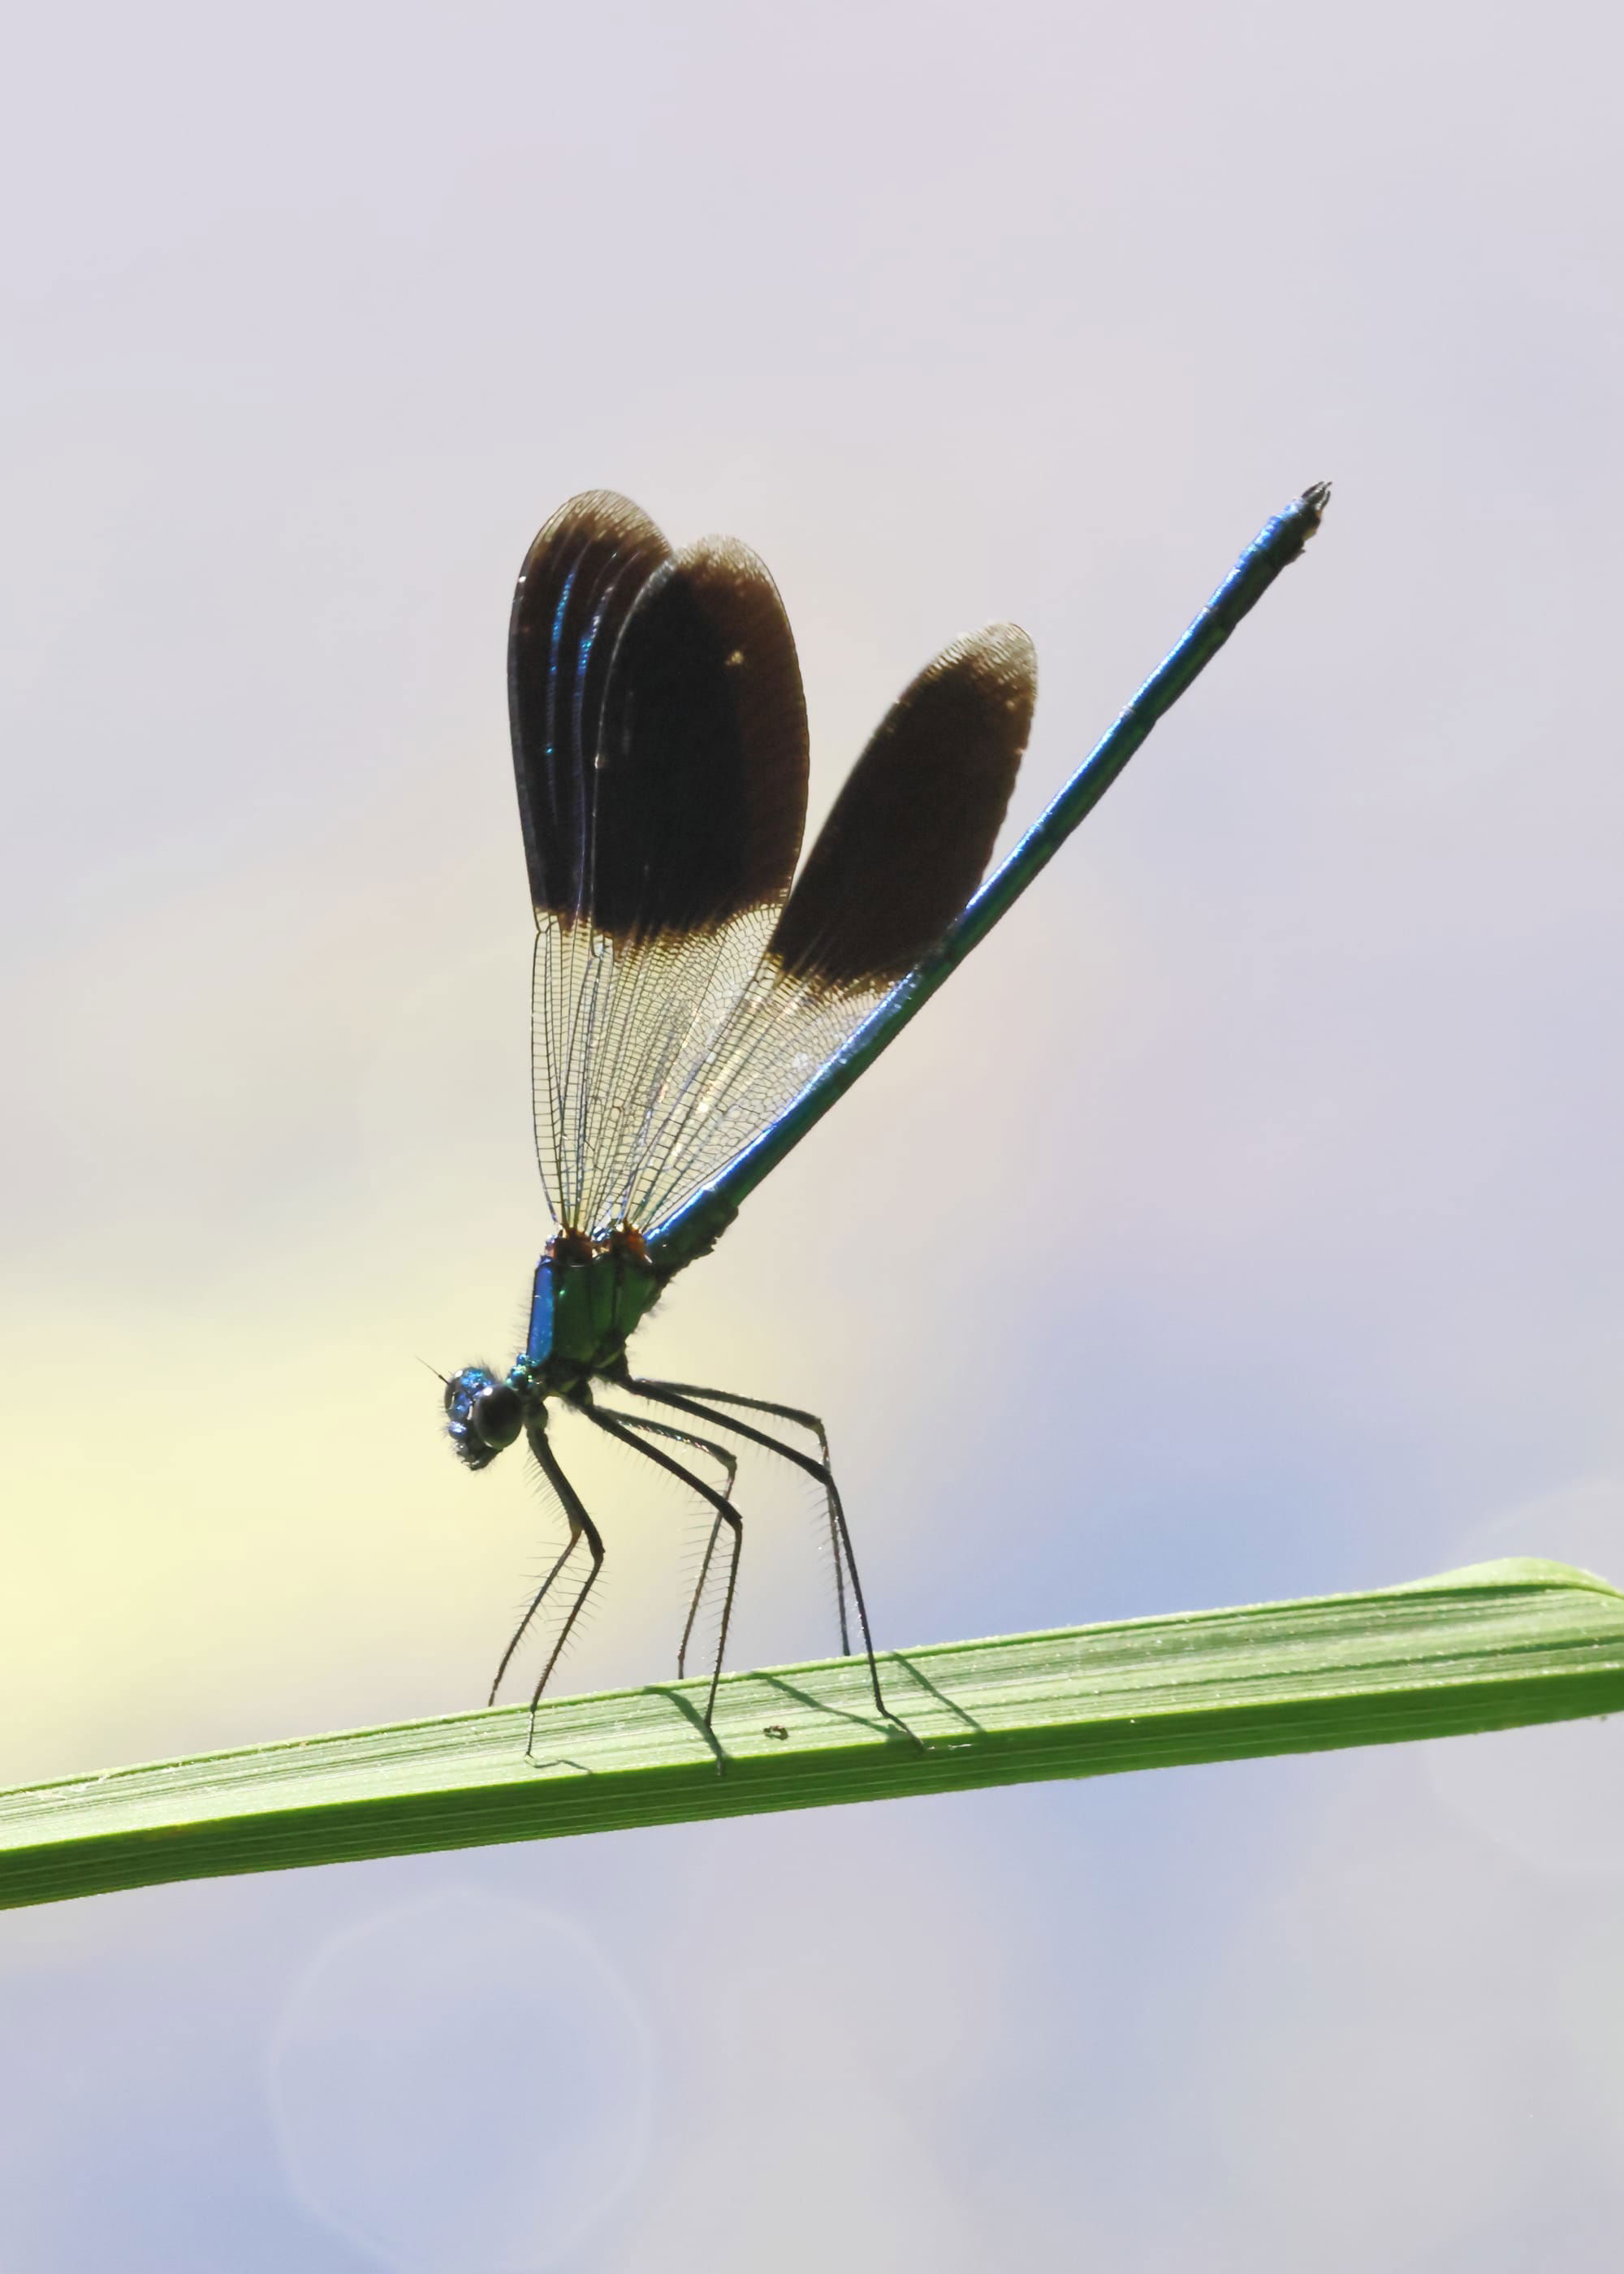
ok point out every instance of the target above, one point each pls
(727, 1513)
(840, 1550)
(581, 1525)
(567, 1495)
(730, 1463)
(536, 1599)
(682, 1396)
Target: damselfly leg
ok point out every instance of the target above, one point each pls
(580, 1527)
(685, 1398)
(839, 1547)
(726, 1512)
(730, 1465)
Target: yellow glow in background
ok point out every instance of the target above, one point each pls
(1242, 1221)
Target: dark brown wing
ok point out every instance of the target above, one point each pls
(659, 731)
(701, 751)
(904, 848)
(660, 749)
(910, 835)
(579, 581)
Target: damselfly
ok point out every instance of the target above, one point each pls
(695, 1011)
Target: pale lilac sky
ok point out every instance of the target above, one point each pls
(1243, 1222)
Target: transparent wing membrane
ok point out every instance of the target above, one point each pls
(781, 1032)
(621, 1032)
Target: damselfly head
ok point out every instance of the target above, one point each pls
(483, 1415)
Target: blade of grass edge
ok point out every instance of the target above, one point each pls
(1496, 1645)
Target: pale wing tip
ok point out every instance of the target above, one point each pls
(596, 516)
(1000, 657)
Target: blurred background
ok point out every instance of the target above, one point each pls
(1243, 1222)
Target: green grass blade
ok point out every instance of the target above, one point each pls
(1491, 1647)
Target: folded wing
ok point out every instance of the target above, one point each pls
(660, 751)
(904, 848)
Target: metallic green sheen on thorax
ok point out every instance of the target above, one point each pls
(585, 1307)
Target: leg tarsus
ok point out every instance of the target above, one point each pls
(838, 1550)
(730, 1465)
(581, 1526)
(682, 1397)
(536, 1600)
(727, 1513)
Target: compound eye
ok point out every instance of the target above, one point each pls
(482, 1415)
(465, 1389)
(497, 1415)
